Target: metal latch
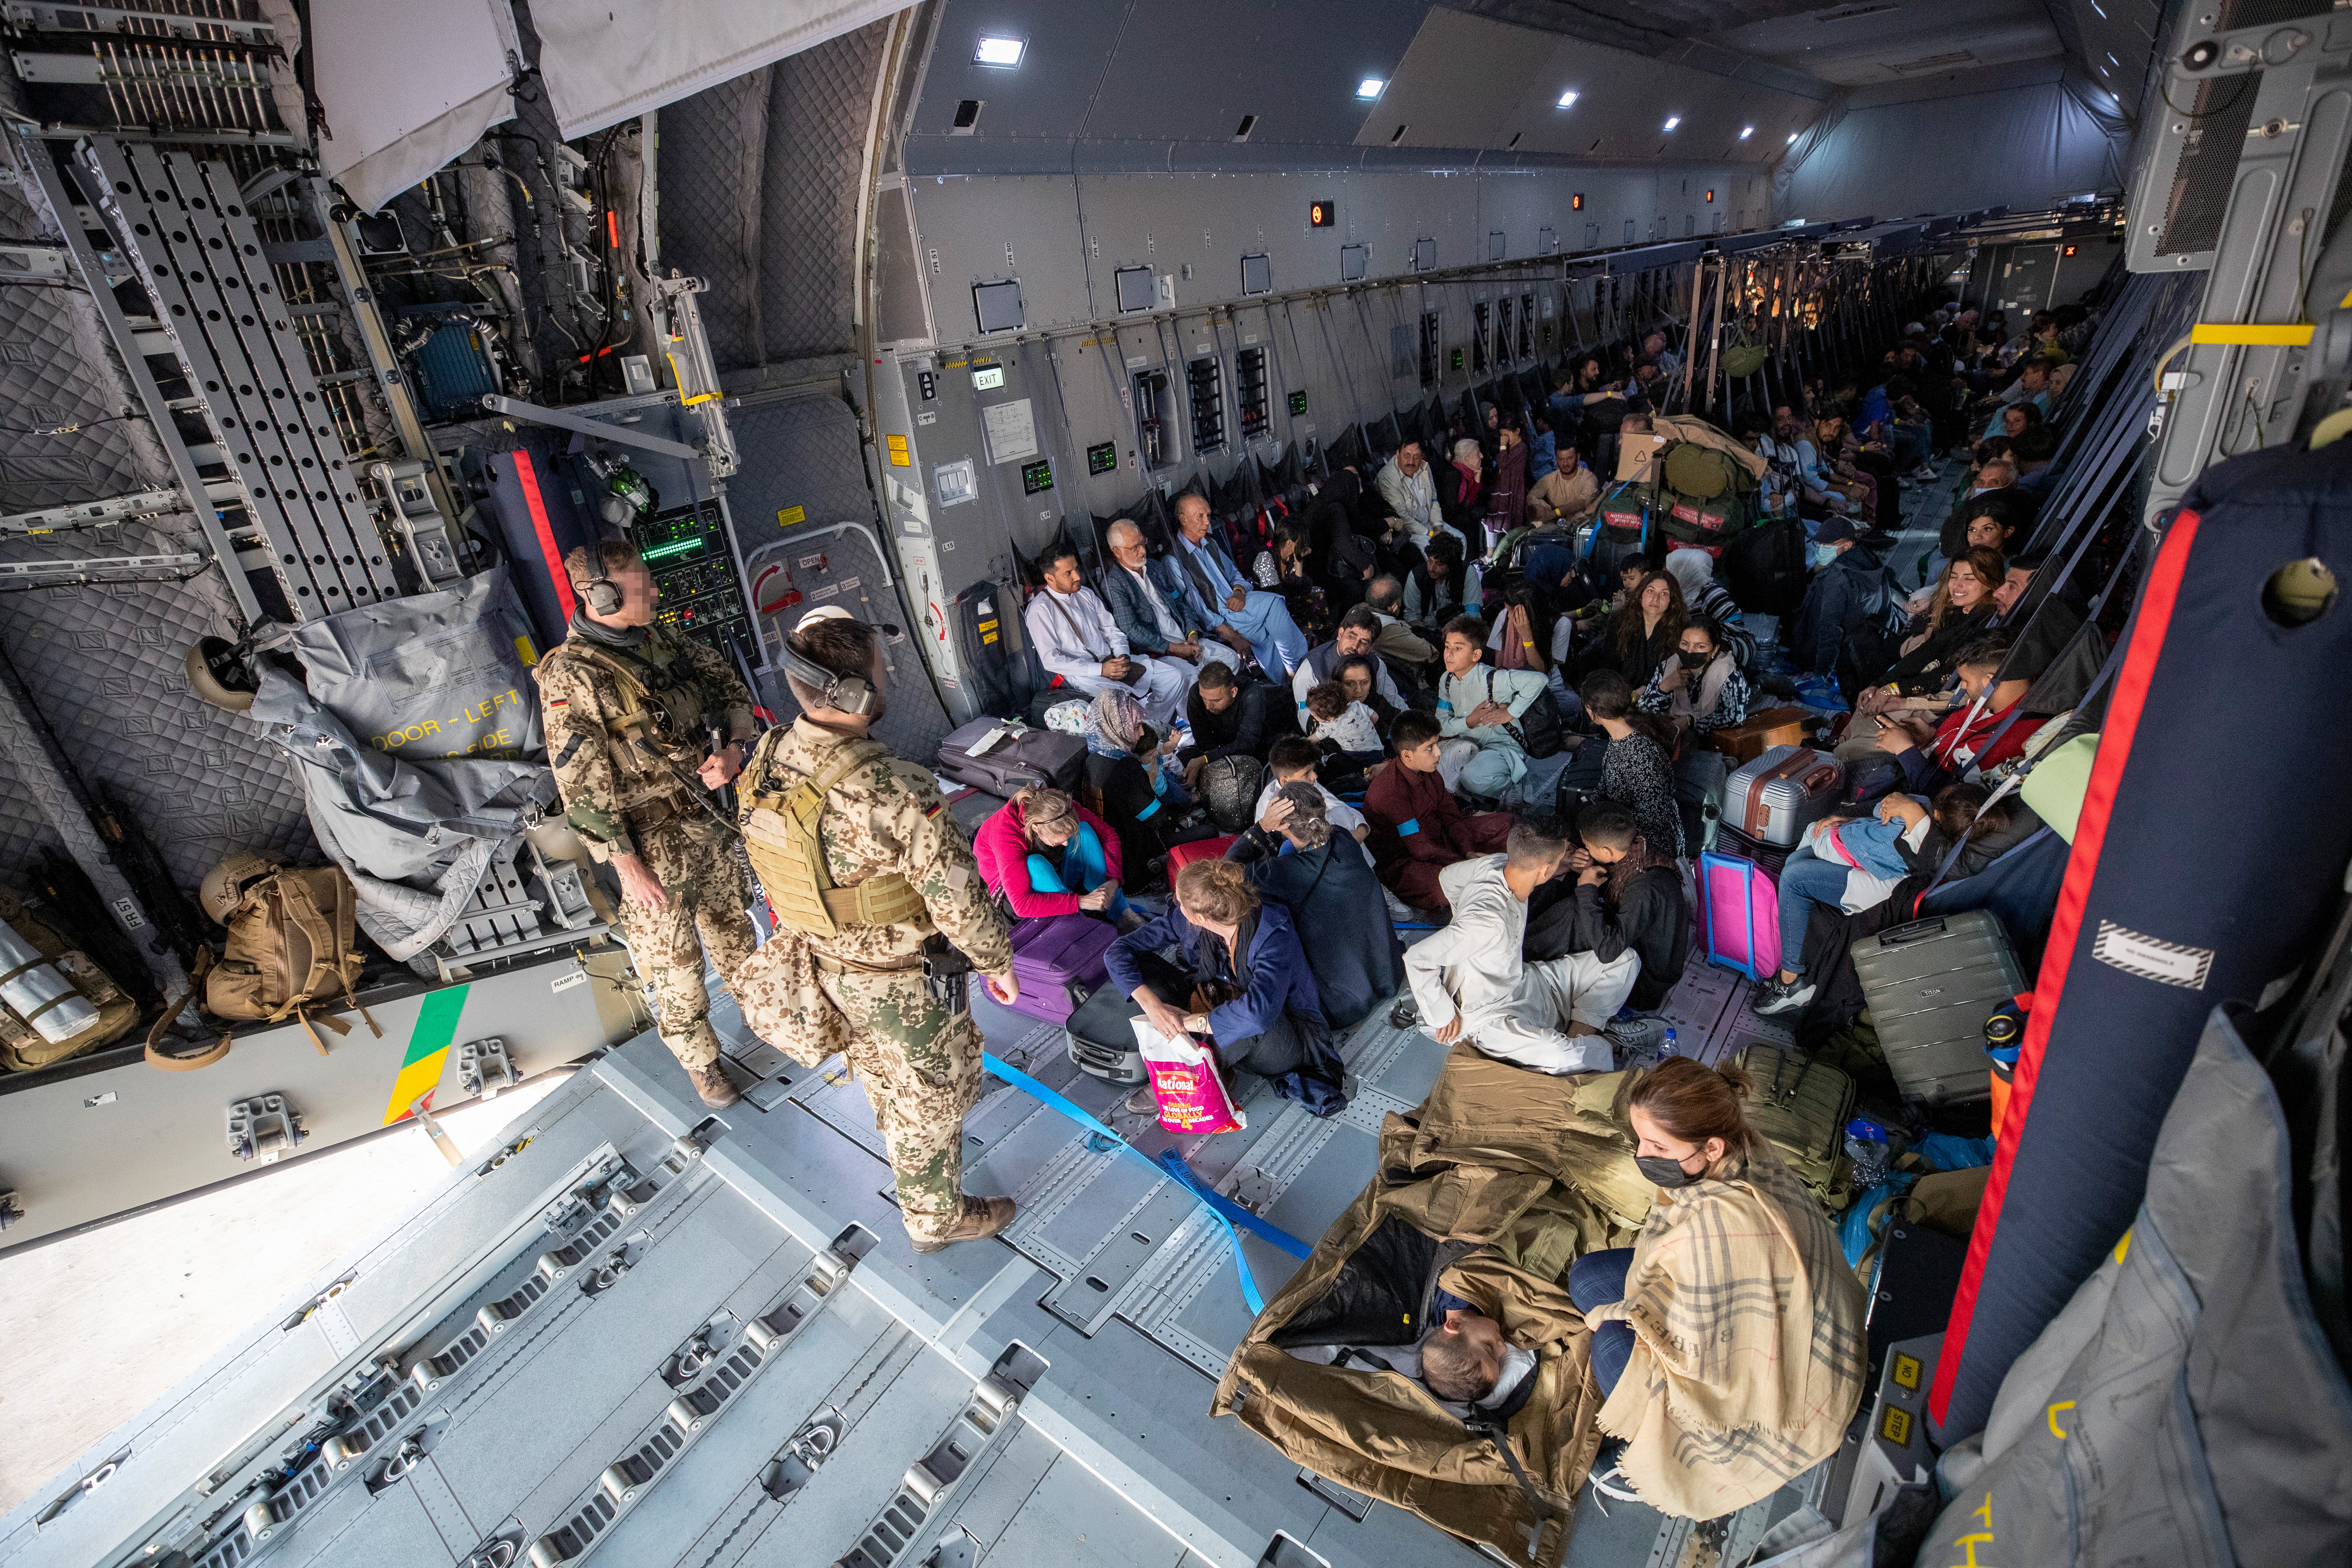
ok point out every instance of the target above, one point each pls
(484, 1067)
(264, 1129)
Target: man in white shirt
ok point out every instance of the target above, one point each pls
(1469, 979)
(1479, 707)
(1262, 620)
(1076, 639)
(1411, 490)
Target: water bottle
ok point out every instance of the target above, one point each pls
(1865, 1145)
(1668, 1049)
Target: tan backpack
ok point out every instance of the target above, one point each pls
(291, 944)
(23, 1046)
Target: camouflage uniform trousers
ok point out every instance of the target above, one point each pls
(920, 1067)
(694, 859)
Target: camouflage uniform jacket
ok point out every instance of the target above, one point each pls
(887, 815)
(608, 785)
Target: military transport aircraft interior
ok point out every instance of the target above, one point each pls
(1000, 784)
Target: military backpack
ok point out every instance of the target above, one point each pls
(291, 943)
(55, 1003)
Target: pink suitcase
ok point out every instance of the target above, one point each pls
(1740, 915)
(1059, 962)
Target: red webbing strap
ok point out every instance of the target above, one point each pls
(2116, 738)
(527, 477)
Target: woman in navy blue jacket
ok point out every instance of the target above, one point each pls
(1263, 1009)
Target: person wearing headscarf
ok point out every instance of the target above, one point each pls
(1706, 599)
(1132, 781)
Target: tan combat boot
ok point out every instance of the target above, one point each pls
(711, 1083)
(982, 1217)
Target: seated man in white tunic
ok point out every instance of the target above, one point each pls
(1469, 980)
(1478, 711)
(1076, 639)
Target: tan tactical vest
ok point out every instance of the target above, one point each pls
(780, 832)
(661, 713)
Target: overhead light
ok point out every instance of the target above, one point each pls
(2095, 6)
(1746, 132)
(1793, 139)
(1673, 120)
(1568, 99)
(1000, 51)
(1369, 86)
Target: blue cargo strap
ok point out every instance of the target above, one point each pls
(1170, 1165)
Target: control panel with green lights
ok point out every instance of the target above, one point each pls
(685, 549)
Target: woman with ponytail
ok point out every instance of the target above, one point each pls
(1728, 1341)
(1046, 855)
(1241, 979)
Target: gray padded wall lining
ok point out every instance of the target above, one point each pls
(818, 104)
(25, 833)
(104, 665)
(804, 452)
(780, 269)
(56, 368)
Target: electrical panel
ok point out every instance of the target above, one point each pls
(686, 550)
(1250, 392)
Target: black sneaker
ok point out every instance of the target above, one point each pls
(1773, 997)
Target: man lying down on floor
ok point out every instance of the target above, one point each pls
(1430, 1351)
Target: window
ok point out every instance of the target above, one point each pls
(1593, 235)
(1495, 245)
(1478, 318)
(1429, 349)
(1690, 225)
(1134, 288)
(1250, 391)
(1629, 231)
(1257, 275)
(997, 306)
(1205, 388)
(1152, 434)
(1424, 254)
(1352, 261)
(1547, 241)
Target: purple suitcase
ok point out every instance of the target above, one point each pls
(1059, 962)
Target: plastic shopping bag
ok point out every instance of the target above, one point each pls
(1185, 1081)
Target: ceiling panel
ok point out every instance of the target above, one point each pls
(1447, 90)
(1047, 95)
(1888, 40)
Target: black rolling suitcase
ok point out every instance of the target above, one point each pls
(1102, 1040)
(1930, 986)
(1013, 757)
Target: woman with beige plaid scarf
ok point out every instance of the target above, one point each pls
(1728, 1340)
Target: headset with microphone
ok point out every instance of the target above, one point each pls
(843, 693)
(602, 596)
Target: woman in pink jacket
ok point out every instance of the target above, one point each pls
(1046, 855)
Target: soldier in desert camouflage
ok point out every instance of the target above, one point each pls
(625, 704)
(880, 909)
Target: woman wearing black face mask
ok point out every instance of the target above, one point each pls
(1700, 687)
(1729, 1339)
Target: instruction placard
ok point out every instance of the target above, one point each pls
(792, 516)
(1012, 431)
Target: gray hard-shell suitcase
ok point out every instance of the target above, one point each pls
(1778, 795)
(1929, 987)
(1100, 1037)
(1021, 758)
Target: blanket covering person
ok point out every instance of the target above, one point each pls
(1719, 1407)
(1490, 1190)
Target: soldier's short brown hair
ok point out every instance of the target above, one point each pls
(587, 563)
(843, 647)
